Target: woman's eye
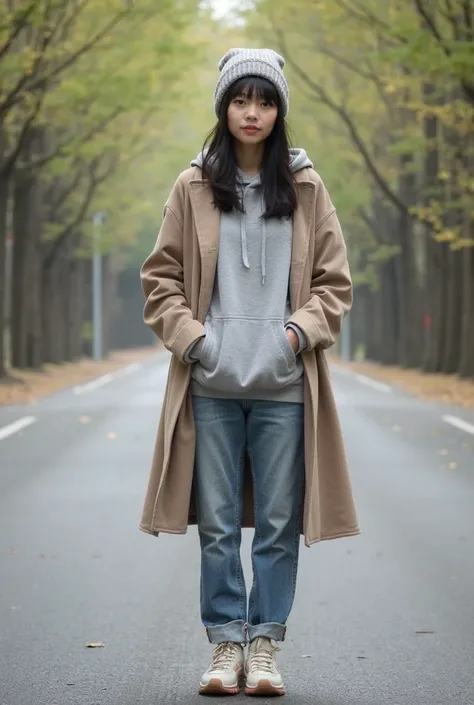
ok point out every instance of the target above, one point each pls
(239, 101)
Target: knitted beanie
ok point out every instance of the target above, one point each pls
(238, 63)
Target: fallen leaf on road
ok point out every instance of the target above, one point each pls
(84, 419)
(95, 645)
(306, 656)
(453, 466)
(448, 389)
(27, 386)
(361, 657)
(423, 631)
(111, 436)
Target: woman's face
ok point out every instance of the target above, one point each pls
(251, 120)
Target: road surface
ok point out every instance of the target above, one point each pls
(386, 618)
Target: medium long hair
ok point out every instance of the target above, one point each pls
(220, 167)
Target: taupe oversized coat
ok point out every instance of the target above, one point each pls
(177, 280)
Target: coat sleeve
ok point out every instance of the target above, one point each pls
(166, 309)
(321, 317)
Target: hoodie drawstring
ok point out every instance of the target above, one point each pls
(243, 241)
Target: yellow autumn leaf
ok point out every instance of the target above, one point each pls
(446, 236)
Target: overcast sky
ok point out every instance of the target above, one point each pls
(222, 7)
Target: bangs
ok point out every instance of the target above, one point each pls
(254, 86)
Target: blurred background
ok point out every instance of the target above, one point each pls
(104, 102)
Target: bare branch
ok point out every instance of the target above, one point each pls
(368, 18)
(94, 182)
(80, 52)
(430, 24)
(87, 137)
(18, 25)
(371, 224)
(8, 163)
(467, 10)
(64, 195)
(356, 138)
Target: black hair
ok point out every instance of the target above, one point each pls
(219, 165)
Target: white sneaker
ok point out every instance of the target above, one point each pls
(225, 672)
(263, 676)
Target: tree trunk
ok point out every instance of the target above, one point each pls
(466, 367)
(3, 273)
(434, 293)
(26, 284)
(453, 311)
(75, 311)
(408, 322)
(389, 314)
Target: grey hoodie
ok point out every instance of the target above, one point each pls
(245, 353)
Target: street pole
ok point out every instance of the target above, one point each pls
(98, 219)
(346, 339)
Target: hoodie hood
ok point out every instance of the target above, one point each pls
(298, 160)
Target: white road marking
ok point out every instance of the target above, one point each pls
(369, 382)
(341, 398)
(16, 426)
(459, 423)
(341, 370)
(90, 386)
(128, 369)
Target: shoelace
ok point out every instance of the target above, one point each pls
(223, 656)
(263, 659)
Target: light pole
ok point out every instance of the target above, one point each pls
(97, 220)
(346, 339)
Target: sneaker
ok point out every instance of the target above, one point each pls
(225, 672)
(263, 676)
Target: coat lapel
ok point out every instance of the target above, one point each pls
(207, 219)
(303, 225)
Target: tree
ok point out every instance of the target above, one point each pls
(398, 79)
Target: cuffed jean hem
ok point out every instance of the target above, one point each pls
(272, 630)
(235, 631)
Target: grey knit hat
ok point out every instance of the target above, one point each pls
(238, 63)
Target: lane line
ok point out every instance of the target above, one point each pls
(459, 423)
(16, 426)
(90, 386)
(129, 369)
(341, 370)
(369, 382)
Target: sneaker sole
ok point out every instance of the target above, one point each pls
(216, 687)
(265, 688)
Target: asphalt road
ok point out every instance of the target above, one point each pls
(74, 568)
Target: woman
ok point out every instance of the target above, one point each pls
(247, 285)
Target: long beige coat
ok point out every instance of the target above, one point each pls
(177, 280)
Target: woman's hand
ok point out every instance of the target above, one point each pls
(292, 339)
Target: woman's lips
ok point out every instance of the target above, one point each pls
(251, 130)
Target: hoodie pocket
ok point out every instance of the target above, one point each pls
(241, 355)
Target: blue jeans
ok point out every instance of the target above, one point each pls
(272, 435)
